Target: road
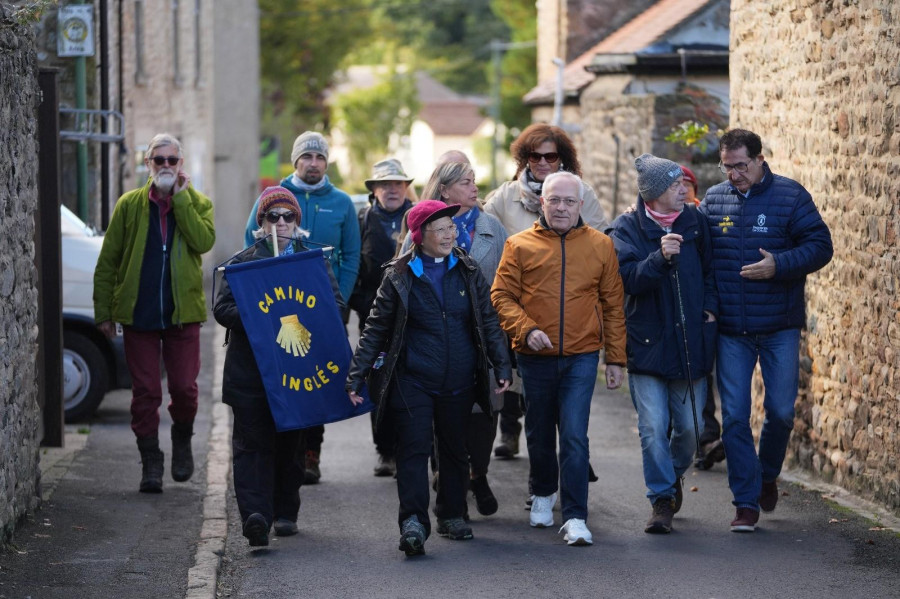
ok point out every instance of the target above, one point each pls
(347, 546)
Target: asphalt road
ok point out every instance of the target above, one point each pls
(347, 546)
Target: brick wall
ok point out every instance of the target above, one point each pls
(820, 83)
(19, 412)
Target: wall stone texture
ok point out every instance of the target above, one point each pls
(820, 82)
(19, 412)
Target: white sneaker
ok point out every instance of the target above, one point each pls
(577, 532)
(542, 511)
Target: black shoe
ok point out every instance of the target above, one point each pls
(313, 473)
(679, 493)
(484, 497)
(412, 537)
(256, 530)
(660, 521)
(455, 529)
(509, 446)
(768, 498)
(182, 458)
(285, 528)
(385, 466)
(592, 477)
(152, 465)
(711, 453)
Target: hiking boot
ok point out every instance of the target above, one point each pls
(660, 521)
(412, 537)
(577, 533)
(285, 528)
(679, 494)
(484, 497)
(509, 446)
(542, 511)
(312, 474)
(745, 520)
(455, 529)
(711, 453)
(182, 458)
(768, 497)
(152, 465)
(385, 466)
(256, 530)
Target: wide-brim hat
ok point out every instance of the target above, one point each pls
(387, 170)
(425, 212)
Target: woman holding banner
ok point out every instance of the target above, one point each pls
(426, 351)
(268, 465)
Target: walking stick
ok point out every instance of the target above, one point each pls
(687, 355)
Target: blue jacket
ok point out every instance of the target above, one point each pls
(329, 216)
(779, 216)
(655, 343)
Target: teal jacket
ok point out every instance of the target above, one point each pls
(118, 274)
(329, 216)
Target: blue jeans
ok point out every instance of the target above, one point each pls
(659, 404)
(558, 391)
(779, 359)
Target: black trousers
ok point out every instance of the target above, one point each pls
(314, 437)
(511, 414)
(383, 433)
(421, 418)
(268, 466)
(711, 430)
(480, 441)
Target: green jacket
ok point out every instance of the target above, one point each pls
(118, 273)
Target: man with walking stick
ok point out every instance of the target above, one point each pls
(671, 305)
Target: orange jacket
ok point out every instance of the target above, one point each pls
(538, 268)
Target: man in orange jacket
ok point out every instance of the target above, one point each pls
(559, 297)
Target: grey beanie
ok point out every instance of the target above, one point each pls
(655, 175)
(309, 141)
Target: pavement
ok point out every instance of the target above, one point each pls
(96, 536)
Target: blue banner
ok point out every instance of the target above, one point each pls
(298, 338)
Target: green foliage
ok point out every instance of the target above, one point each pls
(518, 67)
(31, 12)
(689, 134)
(302, 45)
(368, 117)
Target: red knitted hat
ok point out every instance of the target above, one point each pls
(423, 213)
(690, 176)
(272, 197)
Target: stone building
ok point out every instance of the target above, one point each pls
(820, 83)
(623, 96)
(21, 417)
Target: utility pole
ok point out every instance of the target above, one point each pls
(497, 49)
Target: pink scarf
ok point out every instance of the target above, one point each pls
(664, 220)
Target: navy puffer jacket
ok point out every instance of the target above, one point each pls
(779, 216)
(652, 314)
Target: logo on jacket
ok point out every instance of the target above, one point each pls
(761, 224)
(725, 224)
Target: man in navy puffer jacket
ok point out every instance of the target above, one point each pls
(767, 235)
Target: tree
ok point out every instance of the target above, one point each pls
(519, 65)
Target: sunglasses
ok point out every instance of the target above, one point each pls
(550, 157)
(288, 217)
(161, 160)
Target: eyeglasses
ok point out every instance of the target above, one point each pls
(740, 167)
(550, 157)
(441, 231)
(161, 160)
(288, 217)
(568, 202)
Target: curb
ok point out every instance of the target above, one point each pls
(202, 577)
(54, 462)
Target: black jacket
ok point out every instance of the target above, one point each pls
(241, 383)
(386, 332)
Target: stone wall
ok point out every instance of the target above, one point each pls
(820, 82)
(19, 412)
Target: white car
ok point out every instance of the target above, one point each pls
(92, 363)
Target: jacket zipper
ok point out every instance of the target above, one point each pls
(162, 277)
(562, 295)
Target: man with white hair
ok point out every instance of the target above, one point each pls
(559, 298)
(149, 279)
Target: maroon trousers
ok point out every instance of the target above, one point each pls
(180, 351)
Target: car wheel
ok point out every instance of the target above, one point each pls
(85, 376)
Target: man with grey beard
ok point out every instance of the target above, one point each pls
(149, 279)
